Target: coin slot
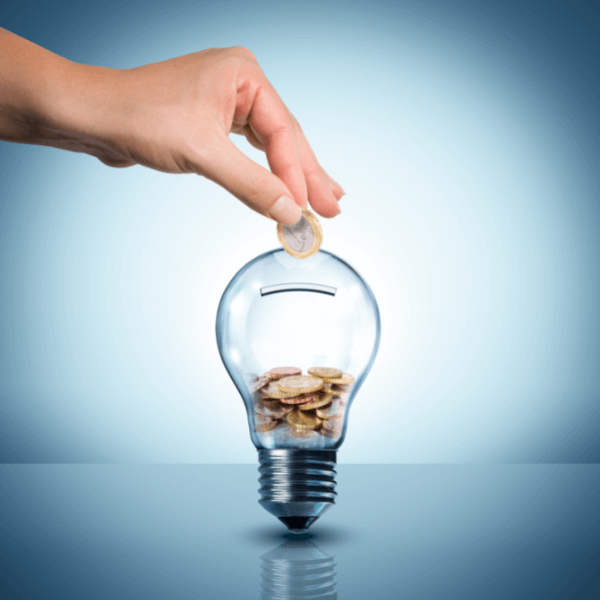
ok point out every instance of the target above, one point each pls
(298, 287)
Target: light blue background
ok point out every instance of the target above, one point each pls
(466, 136)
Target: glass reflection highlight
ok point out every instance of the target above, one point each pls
(297, 569)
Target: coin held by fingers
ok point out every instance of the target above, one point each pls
(302, 239)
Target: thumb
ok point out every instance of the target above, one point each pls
(251, 183)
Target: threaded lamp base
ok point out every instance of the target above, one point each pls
(297, 486)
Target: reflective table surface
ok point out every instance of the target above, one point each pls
(397, 531)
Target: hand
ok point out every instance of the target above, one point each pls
(175, 116)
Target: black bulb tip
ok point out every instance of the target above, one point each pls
(298, 524)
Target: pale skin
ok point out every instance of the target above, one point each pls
(174, 116)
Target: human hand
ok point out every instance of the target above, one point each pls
(176, 116)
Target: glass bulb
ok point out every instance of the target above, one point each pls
(279, 311)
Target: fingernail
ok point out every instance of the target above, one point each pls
(285, 211)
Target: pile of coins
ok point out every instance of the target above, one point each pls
(304, 404)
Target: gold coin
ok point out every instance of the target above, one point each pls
(264, 423)
(304, 238)
(331, 411)
(259, 383)
(342, 379)
(300, 384)
(272, 409)
(327, 390)
(318, 401)
(297, 399)
(267, 426)
(272, 391)
(325, 373)
(303, 421)
(279, 372)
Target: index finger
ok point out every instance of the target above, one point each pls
(272, 124)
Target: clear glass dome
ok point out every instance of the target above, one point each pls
(279, 311)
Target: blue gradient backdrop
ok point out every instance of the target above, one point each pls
(467, 138)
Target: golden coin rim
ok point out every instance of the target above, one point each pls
(324, 377)
(267, 426)
(276, 376)
(311, 423)
(316, 403)
(278, 394)
(340, 380)
(298, 399)
(339, 414)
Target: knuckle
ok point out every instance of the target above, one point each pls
(295, 121)
(297, 127)
(313, 171)
(287, 168)
(242, 52)
(279, 128)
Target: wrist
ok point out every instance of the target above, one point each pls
(50, 100)
(76, 106)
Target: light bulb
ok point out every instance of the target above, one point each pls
(281, 311)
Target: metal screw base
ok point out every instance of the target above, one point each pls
(297, 486)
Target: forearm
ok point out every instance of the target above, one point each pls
(45, 98)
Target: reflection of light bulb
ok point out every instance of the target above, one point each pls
(281, 311)
(298, 569)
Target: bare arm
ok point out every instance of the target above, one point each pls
(174, 116)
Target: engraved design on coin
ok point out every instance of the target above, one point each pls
(302, 384)
(299, 236)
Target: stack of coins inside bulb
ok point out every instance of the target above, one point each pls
(301, 405)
